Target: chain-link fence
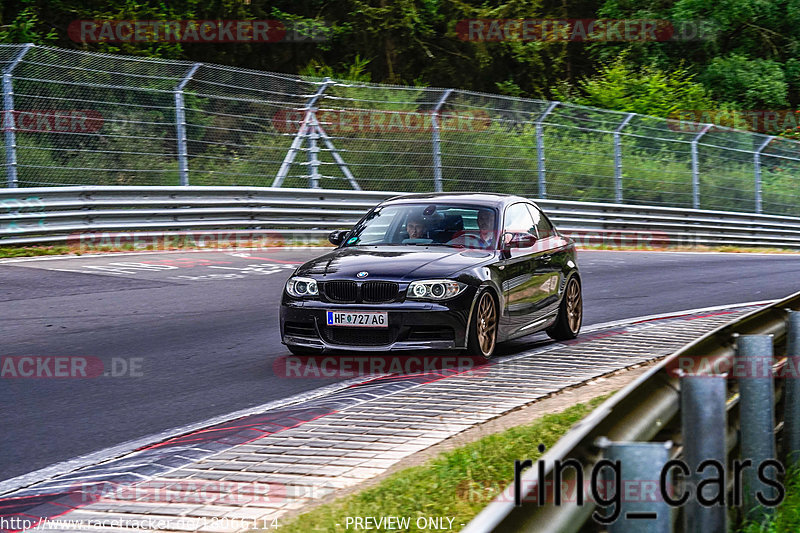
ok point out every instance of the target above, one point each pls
(77, 118)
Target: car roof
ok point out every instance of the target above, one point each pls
(459, 198)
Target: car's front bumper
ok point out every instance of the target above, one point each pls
(412, 325)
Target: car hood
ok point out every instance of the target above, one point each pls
(394, 262)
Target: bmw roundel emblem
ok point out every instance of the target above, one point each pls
(362, 274)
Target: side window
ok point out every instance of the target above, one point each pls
(543, 227)
(519, 220)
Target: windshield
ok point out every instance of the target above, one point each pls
(462, 226)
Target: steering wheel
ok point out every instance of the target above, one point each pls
(468, 240)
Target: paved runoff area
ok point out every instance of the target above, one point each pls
(247, 472)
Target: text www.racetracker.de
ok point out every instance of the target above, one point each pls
(17, 523)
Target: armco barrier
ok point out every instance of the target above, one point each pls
(711, 400)
(55, 214)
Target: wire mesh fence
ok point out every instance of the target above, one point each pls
(79, 118)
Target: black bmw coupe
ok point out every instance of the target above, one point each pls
(456, 271)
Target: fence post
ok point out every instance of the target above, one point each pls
(703, 426)
(753, 363)
(307, 125)
(618, 159)
(437, 148)
(757, 170)
(8, 118)
(540, 149)
(336, 157)
(313, 158)
(695, 168)
(640, 467)
(180, 125)
(791, 418)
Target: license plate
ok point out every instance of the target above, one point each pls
(358, 319)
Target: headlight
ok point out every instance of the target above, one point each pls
(300, 287)
(435, 289)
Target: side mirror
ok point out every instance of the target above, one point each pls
(516, 240)
(336, 237)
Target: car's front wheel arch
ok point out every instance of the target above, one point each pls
(481, 314)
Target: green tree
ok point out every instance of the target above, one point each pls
(645, 90)
(749, 83)
(27, 28)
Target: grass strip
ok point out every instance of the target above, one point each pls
(787, 516)
(32, 251)
(457, 483)
(173, 245)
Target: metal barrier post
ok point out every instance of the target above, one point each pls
(642, 510)
(180, 125)
(9, 119)
(437, 148)
(313, 159)
(753, 364)
(703, 426)
(791, 414)
(618, 159)
(757, 172)
(695, 168)
(306, 128)
(540, 149)
(336, 157)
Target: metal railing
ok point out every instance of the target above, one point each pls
(712, 400)
(79, 118)
(58, 214)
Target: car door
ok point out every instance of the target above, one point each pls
(527, 285)
(551, 259)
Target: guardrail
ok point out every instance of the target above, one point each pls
(55, 214)
(713, 399)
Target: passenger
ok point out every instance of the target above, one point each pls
(416, 228)
(486, 227)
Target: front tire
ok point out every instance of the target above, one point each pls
(482, 336)
(570, 313)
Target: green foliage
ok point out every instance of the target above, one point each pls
(355, 71)
(787, 517)
(646, 90)
(755, 40)
(749, 83)
(27, 28)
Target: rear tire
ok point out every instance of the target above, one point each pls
(303, 350)
(482, 335)
(570, 313)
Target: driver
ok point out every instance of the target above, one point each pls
(415, 226)
(483, 238)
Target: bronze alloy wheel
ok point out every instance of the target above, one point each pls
(486, 325)
(574, 306)
(570, 313)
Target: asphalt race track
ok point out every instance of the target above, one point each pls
(188, 336)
